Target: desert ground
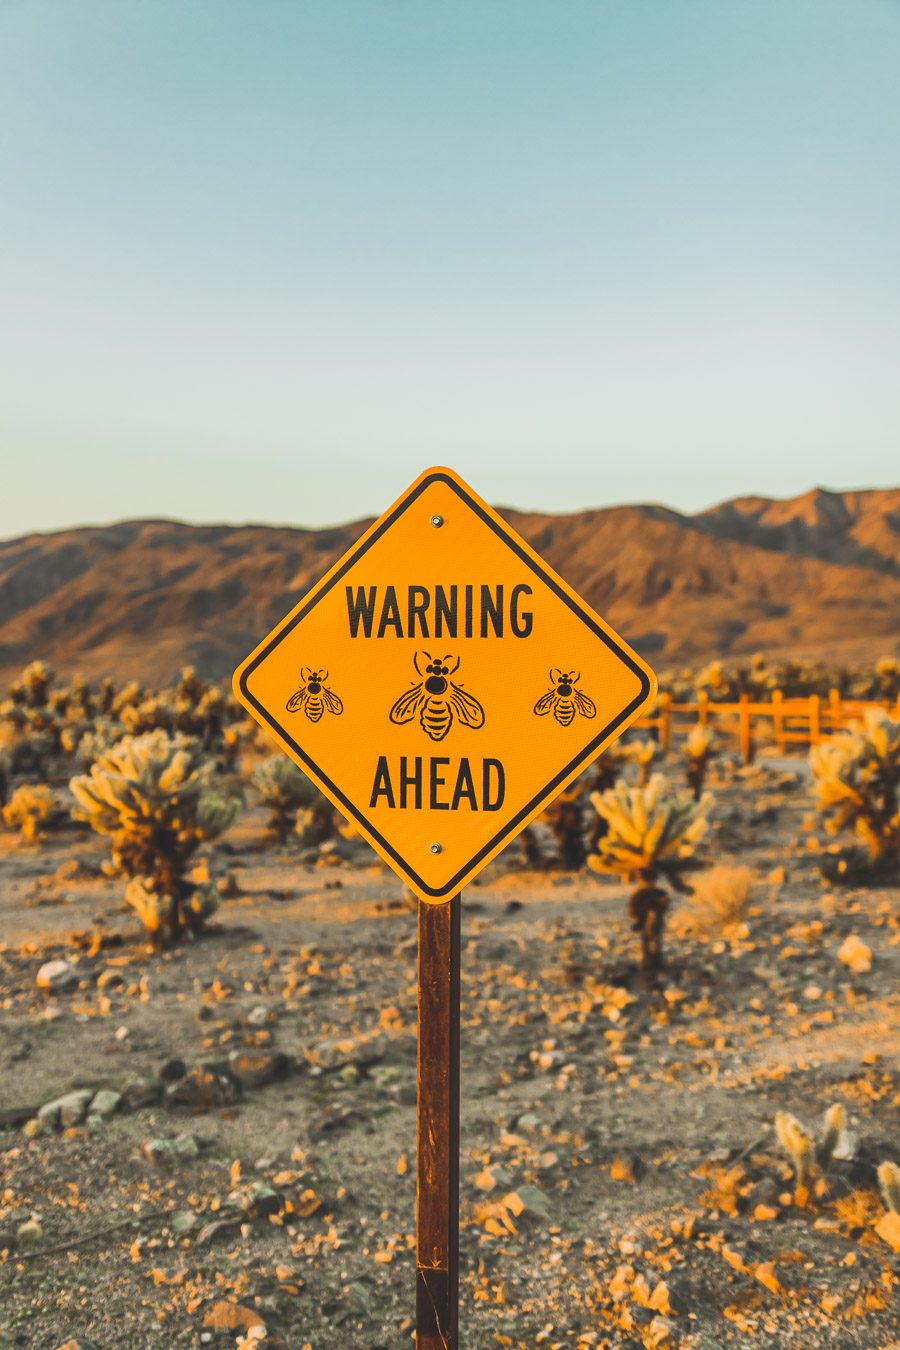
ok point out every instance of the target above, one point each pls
(248, 1173)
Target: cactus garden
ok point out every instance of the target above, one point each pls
(679, 1039)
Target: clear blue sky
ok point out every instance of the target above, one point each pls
(267, 259)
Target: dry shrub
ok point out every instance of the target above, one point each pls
(29, 807)
(718, 899)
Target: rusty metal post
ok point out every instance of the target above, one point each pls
(437, 1129)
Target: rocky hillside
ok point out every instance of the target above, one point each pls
(817, 576)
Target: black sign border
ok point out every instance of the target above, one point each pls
(546, 793)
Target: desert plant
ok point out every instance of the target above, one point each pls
(698, 752)
(151, 794)
(889, 1185)
(5, 775)
(285, 790)
(29, 807)
(857, 783)
(810, 1157)
(718, 898)
(565, 820)
(644, 754)
(651, 836)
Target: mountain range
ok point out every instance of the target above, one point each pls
(815, 576)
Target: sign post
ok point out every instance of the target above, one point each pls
(437, 1129)
(441, 685)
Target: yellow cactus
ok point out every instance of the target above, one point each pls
(286, 791)
(698, 751)
(798, 1144)
(29, 807)
(857, 783)
(651, 835)
(151, 794)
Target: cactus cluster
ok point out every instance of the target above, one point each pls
(152, 795)
(759, 677)
(28, 809)
(856, 778)
(652, 833)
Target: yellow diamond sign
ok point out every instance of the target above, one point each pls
(441, 684)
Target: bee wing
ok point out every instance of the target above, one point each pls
(404, 710)
(332, 702)
(545, 703)
(468, 709)
(585, 705)
(297, 700)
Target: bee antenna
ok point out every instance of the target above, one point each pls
(449, 657)
(323, 676)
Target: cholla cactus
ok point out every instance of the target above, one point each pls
(889, 1184)
(30, 806)
(33, 685)
(565, 819)
(651, 835)
(811, 1157)
(698, 751)
(285, 790)
(644, 754)
(857, 781)
(5, 775)
(151, 794)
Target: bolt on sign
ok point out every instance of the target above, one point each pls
(441, 684)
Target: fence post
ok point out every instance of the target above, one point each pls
(834, 709)
(815, 720)
(746, 735)
(665, 723)
(778, 719)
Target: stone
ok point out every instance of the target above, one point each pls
(8, 1240)
(254, 1068)
(173, 1070)
(68, 1110)
(105, 1102)
(258, 1016)
(856, 956)
(203, 1090)
(171, 1152)
(54, 977)
(140, 1092)
(30, 1233)
(110, 979)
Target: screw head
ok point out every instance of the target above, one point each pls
(437, 521)
(437, 848)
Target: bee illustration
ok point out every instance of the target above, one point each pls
(313, 697)
(437, 699)
(564, 700)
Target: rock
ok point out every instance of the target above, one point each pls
(68, 1110)
(529, 1202)
(30, 1233)
(173, 1070)
(855, 955)
(203, 1090)
(8, 1240)
(54, 977)
(105, 1103)
(259, 1016)
(261, 1201)
(218, 1230)
(110, 979)
(141, 1092)
(253, 1068)
(171, 1152)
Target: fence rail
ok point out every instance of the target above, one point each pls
(780, 721)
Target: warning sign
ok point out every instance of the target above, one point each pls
(441, 684)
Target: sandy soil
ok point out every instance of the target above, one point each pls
(621, 1185)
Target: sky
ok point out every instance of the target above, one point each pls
(268, 259)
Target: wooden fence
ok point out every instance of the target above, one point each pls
(783, 722)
